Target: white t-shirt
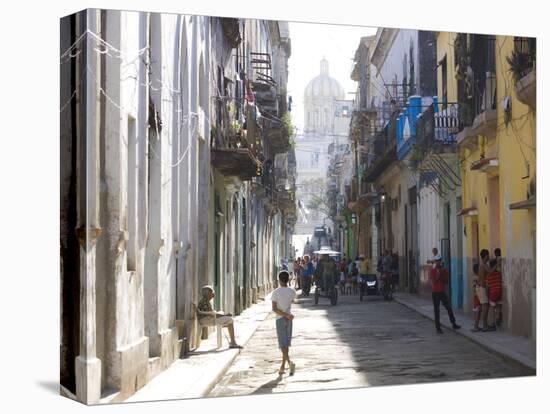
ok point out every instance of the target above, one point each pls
(283, 296)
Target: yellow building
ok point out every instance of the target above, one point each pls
(493, 80)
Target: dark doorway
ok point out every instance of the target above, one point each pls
(217, 248)
(244, 253)
(446, 248)
(70, 248)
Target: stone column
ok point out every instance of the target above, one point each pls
(87, 365)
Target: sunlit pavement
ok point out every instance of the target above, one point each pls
(359, 344)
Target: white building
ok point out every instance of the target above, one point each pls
(326, 120)
(146, 218)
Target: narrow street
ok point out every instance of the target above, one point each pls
(218, 152)
(359, 344)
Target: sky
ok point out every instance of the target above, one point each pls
(310, 43)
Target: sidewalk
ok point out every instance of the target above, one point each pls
(196, 375)
(520, 349)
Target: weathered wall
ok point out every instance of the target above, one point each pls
(514, 146)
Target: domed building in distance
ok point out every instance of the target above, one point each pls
(320, 102)
(326, 125)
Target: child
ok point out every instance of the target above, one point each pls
(342, 283)
(348, 285)
(498, 258)
(281, 300)
(354, 276)
(494, 284)
(477, 303)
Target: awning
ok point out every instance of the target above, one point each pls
(486, 165)
(469, 211)
(531, 202)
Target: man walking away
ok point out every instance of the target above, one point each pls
(439, 278)
(281, 300)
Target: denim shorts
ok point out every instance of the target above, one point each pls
(284, 332)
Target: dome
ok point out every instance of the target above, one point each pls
(324, 86)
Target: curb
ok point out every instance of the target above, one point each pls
(505, 353)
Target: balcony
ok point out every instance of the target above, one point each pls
(526, 90)
(277, 136)
(437, 129)
(468, 212)
(530, 203)
(476, 74)
(286, 201)
(380, 164)
(265, 96)
(467, 138)
(486, 165)
(231, 28)
(522, 63)
(239, 162)
(486, 123)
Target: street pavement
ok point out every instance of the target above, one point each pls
(361, 344)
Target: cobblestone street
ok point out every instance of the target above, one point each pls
(359, 344)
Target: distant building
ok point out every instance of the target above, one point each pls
(327, 114)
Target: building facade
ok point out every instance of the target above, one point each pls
(496, 85)
(168, 140)
(444, 141)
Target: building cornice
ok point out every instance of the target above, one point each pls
(383, 43)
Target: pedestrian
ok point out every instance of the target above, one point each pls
(439, 278)
(306, 273)
(494, 287)
(363, 269)
(210, 317)
(481, 289)
(498, 258)
(435, 253)
(357, 261)
(296, 271)
(343, 283)
(281, 301)
(476, 302)
(395, 268)
(354, 275)
(387, 267)
(343, 274)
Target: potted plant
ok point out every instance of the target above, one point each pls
(520, 63)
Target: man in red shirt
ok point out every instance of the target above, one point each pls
(439, 278)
